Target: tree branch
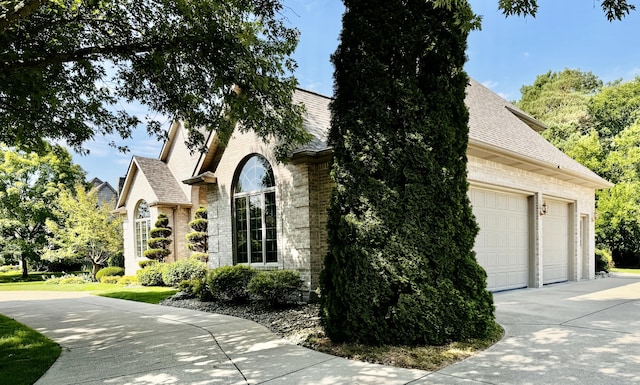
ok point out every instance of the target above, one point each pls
(13, 12)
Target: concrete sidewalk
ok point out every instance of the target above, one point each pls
(582, 333)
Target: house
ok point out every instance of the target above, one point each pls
(106, 193)
(534, 204)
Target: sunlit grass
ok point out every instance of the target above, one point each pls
(630, 271)
(140, 294)
(25, 354)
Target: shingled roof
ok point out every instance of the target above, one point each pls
(163, 183)
(498, 131)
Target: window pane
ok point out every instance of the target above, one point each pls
(270, 224)
(241, 230)
(255, 217)
(256, 175)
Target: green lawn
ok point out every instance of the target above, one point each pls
(630, 271)
(25, 354)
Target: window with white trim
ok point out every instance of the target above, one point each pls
(254, 209)
(142, 226)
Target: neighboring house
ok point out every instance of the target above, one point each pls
(106, 193)
(534, 204)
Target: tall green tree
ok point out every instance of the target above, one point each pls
(65, 65)
(400, 267)
(84, 230)
(29, 188)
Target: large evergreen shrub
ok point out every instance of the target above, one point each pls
(183, 270)
(400, 267)
(230, 283)
(198, 238)
(159, 242)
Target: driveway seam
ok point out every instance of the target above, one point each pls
(184, 323)
(297, 370)
(598, 311)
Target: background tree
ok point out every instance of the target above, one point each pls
(159, 242)
(198, 239)
(400, 267)
(599, 126)
(29, 188)
(85, 230)
(613, 9)
(65, 65)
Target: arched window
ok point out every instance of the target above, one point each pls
(142, 225)
(254, 206)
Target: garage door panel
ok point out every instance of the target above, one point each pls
(556, 242)
(502, 245)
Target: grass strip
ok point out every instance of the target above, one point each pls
(25, 354)
(152, 294)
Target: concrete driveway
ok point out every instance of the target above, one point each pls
(572, 333)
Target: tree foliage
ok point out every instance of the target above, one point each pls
(597, 125)
(400, 267)
(159, 242)
(613, 9)
(29, 188)
(85, 230)
(65, 65)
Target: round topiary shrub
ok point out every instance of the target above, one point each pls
(604, 262)
(159, 241)
(114, 279)
(183, 270)
(151, 275)
(276, 287)
(229, 283)
(109, 271)
(146, 262)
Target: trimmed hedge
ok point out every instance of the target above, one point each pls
(229, 283)
(276, 287)
(109, 271)
(604, 261)
(128, 280)
(183, 270)
(110, 279)
(151, 275)
(147, 262)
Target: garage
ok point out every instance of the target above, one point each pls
(502, 245)
(555, 257)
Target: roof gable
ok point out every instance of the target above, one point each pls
(164, 185)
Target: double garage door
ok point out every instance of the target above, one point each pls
(505, 239)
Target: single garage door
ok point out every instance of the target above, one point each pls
(555, 233)
(502, 245)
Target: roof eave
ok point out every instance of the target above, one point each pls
(500, 155)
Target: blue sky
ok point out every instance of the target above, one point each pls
(505, 55)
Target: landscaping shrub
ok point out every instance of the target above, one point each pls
(146, 262)
(68, 279)
(159, 241)
(230, 282)
(61, 264)
(198, 238)
(183, 270)
(604, 262)
(116, 260)
(128, 280)
(110, 279)
(276, 287)
(151, 275)
(109, 271)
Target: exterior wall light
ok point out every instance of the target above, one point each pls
(544, 208)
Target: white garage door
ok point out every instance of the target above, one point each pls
(555, 233)
(502, 245)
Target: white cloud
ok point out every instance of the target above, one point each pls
(490, 84)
